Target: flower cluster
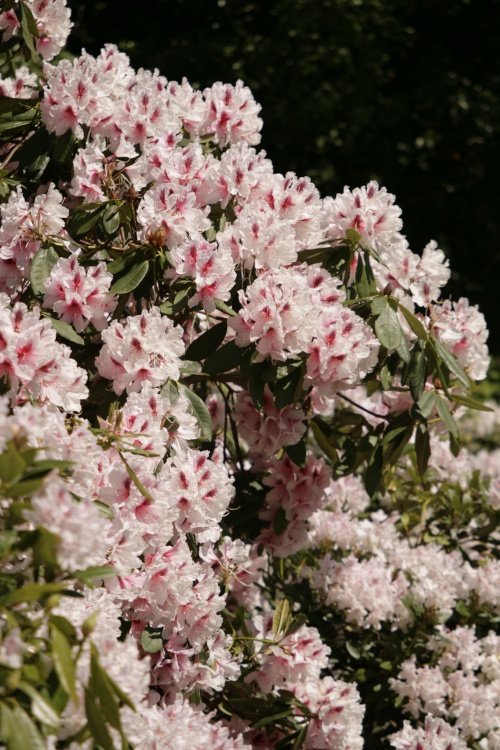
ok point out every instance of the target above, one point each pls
(231, 488)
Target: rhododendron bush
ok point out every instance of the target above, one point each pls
(236, 512)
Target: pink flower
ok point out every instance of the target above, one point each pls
(145, 348)
(80, 295)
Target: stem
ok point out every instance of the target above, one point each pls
(363, 408)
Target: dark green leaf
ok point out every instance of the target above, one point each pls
(207, 343)
(280, 522)
(422, 449)
(224, 359)
(297, 452)
(417, 374)
(132, 278)
(41, 266)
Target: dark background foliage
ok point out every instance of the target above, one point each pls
(407, 93)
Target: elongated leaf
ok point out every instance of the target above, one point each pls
(297, 452)
(220, 305)
(472, 403)
(201, 413)
(29, 28)
(447, 418)
(103, 693)
(12, 464)
(41, 266)
(22, 733)
(418, 369)
(224, 359)
(33, 592)
(281, 618)
(83, 220)
(415, 324)
(40, 707)
(131, 280)
(63, 662)
(97, 723)
(388, 329)
(422, 449)
(96, 571)
(135, 479)
(207, 343)
(451, 363)
(426, 403)
(379, 304)
(110, 220)
(66, 331)
(328, 449)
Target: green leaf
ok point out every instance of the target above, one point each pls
(220, 305)
(131, 280)
(416, 326)
(374, 472)
(297, 452)
(426, 403)
(110, 220)
(85, 218)
(41, 266)
(66, 331)
(170, 391)
(447, 418)
(135, 479)
(97, 723)
(451, 362)
(322, 440)
(280, 522)
(29, 28)
(63, 662)
(12, 464)
(201, 413)
(417, 374)
(151, 641)
(379, 304)
(102, 691)
(281, 618)
(422, 449)
(96, 571)
(33, 592)
(207, 343)
(19, 730)
(388, 329)
(472, 403)
(224, 359)
(40, 706)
